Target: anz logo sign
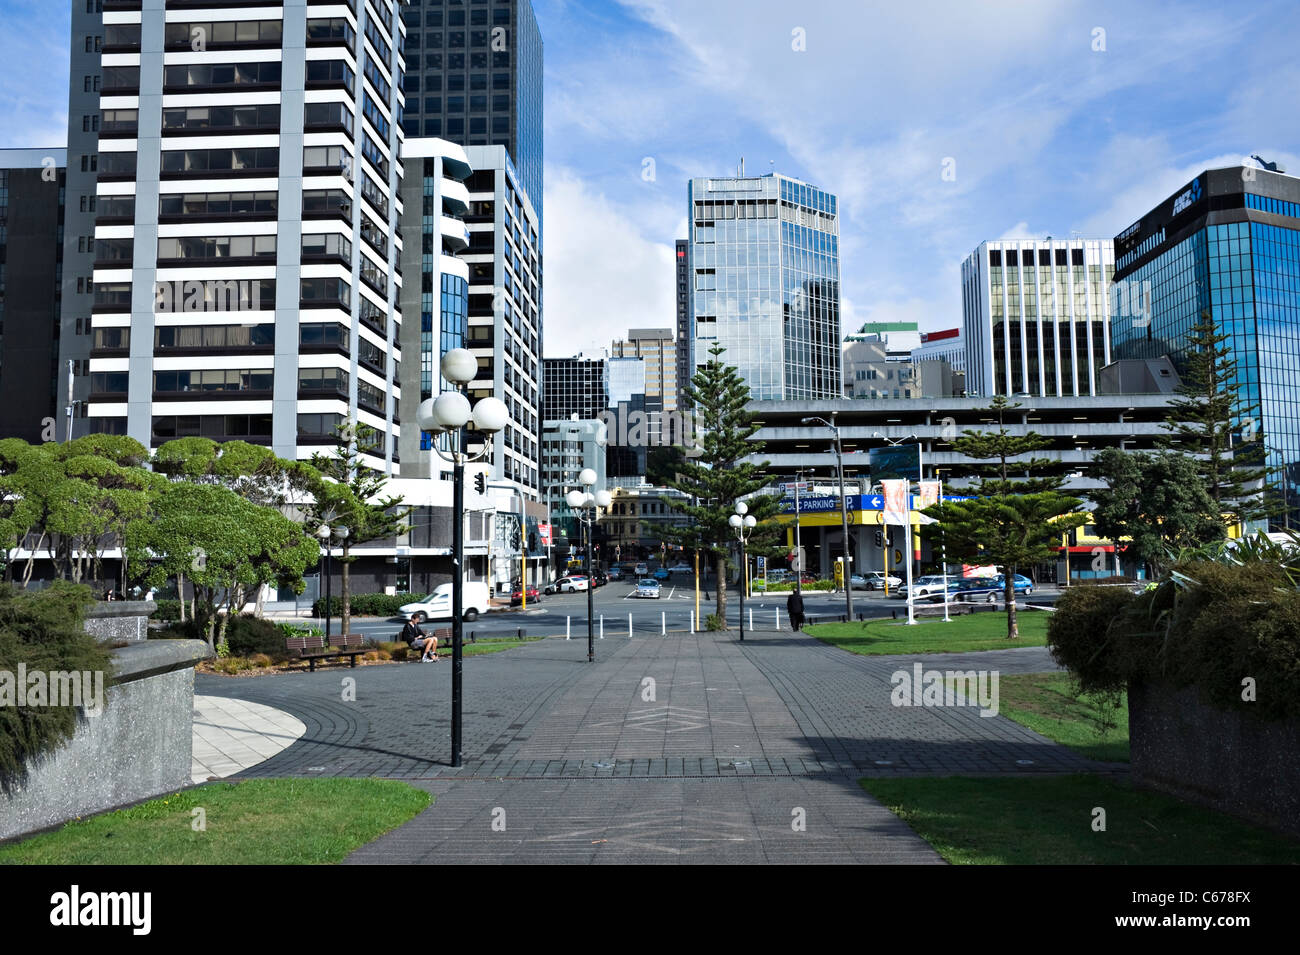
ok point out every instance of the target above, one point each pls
(1188, 198)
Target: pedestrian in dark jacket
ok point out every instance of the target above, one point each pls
(794, 607)
(417, 639)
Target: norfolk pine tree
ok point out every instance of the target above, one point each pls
(1016, 518)
(717, 477)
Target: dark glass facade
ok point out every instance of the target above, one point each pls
(1229, 244)
(573, 386)
(474, 77)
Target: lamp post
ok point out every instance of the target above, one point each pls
(448, 414)
(744, 523)
(328, 535)
(844, 515)
(586, 504)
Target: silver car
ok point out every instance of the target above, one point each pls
(647, 588)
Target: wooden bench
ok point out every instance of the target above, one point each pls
(312, 649)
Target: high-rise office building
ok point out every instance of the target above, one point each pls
(31, 264)
(505, 320)
(1035, 316)
(94, 33)
(765, 283)
(946, 344)
(685, 370)
(435, 201)
(573, 387)
(1228, 243)
(656, 348)
(474, 77)
(247, 250)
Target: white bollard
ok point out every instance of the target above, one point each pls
(751, 619)
(663, 624)
(692, 621)
(602, 626)
(777, 612)
(567, 622)
(629, 626)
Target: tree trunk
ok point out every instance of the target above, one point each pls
(180, 592)
(722, 589)
(345, 591)
(260, 606)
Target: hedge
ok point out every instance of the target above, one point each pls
(1212, 627)
(366, 605)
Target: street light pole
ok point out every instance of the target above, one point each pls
(844, 516)
(448, 414)
(744, 523)
(585, 504)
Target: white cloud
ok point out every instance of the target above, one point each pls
(602, 274)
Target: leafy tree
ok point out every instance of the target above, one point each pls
(20, 509)
(353, 493)
(1213, 423)
(1157, 501)
(1018, 513)
(224, 544)
(719, 476)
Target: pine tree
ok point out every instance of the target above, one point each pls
(1018, 513)
(1214, 424)
(351, 494)
(718, 477)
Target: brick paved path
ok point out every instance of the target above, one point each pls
(661, 742)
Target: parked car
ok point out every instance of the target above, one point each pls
(660, 574)
(616, 573)
(599, 578)
(647, 588)
(437, 606)
(517, 596)
(680, 568)
(925, 586)
(566, 585)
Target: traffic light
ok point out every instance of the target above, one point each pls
(480, 482)
(880, 539)
(532, 541)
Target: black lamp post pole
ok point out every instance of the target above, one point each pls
(744, 572)
(457, 561)
(591, 590)
(327, 591)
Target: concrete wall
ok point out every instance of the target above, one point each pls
(1225, 760)
(137, 748)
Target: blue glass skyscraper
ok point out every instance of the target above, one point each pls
(765, 283)
(1228, 243)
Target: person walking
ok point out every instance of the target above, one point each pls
(794, 607)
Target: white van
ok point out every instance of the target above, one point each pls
(642, 570)
(437, 606)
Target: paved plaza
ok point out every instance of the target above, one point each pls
(675, 748)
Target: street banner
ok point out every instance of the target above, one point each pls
(895, 501)
(929, 495)
(544, 534)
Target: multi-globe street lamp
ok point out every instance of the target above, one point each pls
(586, 504)
(448, 414)
(844, 515)
(328, 535)
(743, 522)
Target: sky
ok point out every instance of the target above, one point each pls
(938, 125)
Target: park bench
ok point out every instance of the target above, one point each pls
(442, 635)
(312, 649)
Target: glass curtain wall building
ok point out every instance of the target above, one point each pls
(1035, 316)
(474, 77)
(437, 288)
(1228, 243)
(765, 283)
(573, 386)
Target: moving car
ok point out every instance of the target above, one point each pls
(680, 568)
(660, 574)
(971, 589)
(599, 578)
(925, 586)
(517, 596)
(647, 588)
(437, 606)
(616, 573)
(641, 570)
(876, 580)
(1022, 583)
(572, 584)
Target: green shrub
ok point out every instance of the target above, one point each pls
(1211, 626)
(365, 605)
(714, 622)
(168, 610)
(42, 630)
(248, 635)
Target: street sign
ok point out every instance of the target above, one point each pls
(795, 485)
(544, 534)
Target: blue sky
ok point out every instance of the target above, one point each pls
(1048, 133)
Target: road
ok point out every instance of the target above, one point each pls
(672, 611)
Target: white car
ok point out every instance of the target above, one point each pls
(925, 586)
(571, 585)
(437, 606)
(681, 569)
(876, 580)
(647, 588)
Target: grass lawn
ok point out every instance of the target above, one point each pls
(259, 822)
(1044, 703)
(976, 631)
(486, 645)
(1037, 821)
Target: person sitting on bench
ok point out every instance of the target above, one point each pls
(417, 639)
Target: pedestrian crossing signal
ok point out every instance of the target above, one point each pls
(480, 482)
